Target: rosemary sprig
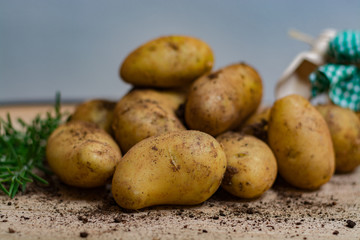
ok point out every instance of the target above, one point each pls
(22, 151)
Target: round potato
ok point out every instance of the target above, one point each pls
(258, 117)
(182, 168)
(170, 61)
(144, 113)
(344, 128)
(251, 166)
(82, 155)
(301, 142)
(220, 101)
(170, 99)
(98, 111)
(257, 124)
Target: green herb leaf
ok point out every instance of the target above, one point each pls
(23, 151)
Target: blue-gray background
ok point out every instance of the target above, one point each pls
(77, 46)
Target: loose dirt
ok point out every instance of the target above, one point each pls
(58, 211)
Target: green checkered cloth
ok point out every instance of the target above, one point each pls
(342, 82)
(344, 48)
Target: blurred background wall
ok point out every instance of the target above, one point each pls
(77, 46)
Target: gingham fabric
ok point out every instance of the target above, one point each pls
(342, 83)
(345, 47)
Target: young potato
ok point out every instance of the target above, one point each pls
(170, 99)
(301, 142)
(183, 167)
(98, 111)
(145, 113)
(257, 124)
(220, 101)
(251, 166)
(258, 117)
(344, 128)
(82, 155)
(170, 61)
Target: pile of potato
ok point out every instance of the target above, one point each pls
(185, 130)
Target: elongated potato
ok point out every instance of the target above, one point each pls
(220, 101)
(145, 113)
(170, 61)
(98, 111)
(82, 155)
(251, 166)
(344, 128)
(301, 142)
(182, 168)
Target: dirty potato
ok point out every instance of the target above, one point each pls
(170, 61)
(344, 128)
(82, 155)
(220, 101)
(251, 166)
(182, 168)
(98, 111)
(257, 124)
(171, 99)
(301, 142)
(145, 113)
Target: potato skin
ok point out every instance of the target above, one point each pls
(145, 113)
(251, 165)
(220, 101)
(301, 142)
(98, 111)
(169, 61)
(82, 155)
(344, 128)
(181, 168)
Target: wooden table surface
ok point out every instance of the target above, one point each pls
(57, 211)
(28, 112)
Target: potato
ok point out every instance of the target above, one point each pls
(181, 168)
(257, 124)
(82, 155)
(220, 101)
(251, 166)
(301, 142)
(98, 111)
(170, 61)
(145, 113)
(171, 99)
(258, 117)
(344, 128)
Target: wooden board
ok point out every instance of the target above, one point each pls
(61, 212)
